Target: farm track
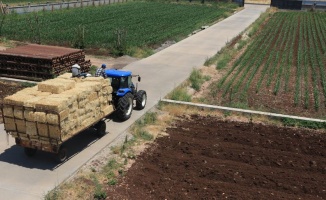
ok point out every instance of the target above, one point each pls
(204, 157)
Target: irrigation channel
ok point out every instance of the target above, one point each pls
(243, 110)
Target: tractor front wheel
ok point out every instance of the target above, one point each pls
(141, 99)
(125, 106)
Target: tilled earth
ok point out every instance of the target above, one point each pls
(208, 158)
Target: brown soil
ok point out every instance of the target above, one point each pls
(207, 158)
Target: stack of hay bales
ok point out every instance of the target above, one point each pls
(56, 109)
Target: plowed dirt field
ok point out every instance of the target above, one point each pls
(208, 158)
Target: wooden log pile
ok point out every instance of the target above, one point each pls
(57, 109)
(40, 62)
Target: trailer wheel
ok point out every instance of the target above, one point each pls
(125, 106)
(62, 154)
(29, 151)
(100, 128)
(141, 99)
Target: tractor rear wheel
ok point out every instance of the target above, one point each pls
(141, 99)
(125, 106)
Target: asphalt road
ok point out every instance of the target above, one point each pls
(31, 178)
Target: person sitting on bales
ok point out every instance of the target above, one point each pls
(75, 70)
(101, 71)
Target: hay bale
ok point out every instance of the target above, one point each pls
(14, 134)
(56, 87)
(107, 110)
(92, 96)
(29, 91)
(51, 104)
(52, 119)
(100, 80)
(54, 132)
(82, 103)
(90, 85)
(44, 94)
(29, 115)
(56, 118)
(65, 76)
(17, 99)
(21, 125)
(10, 124)
(42, 130)
(30, 103)
(31, 128)
(23, 137)
(40, 117)
(8, 111)
(18, 112)
(65, 95)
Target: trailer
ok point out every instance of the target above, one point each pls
(45, 116)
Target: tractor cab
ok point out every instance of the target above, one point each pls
(125, 92)
(121, 82)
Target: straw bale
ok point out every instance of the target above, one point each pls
(79, 92)
(65, 76)
(40, 117)
(31, 128)
(18, 112)
(29, 115)
(92, 96)
(51, 104)
(109, 98)
(95, 103)
(65, 95)
(42, 129)
(8, 111)
(56, 87)
(10, 124)
(82, 104)
(29, 91)
(52, 119)
(44, 94)
(54, 131)
(107, 110)
(21, 125)
(90, 85)
(14, 134)
(23, 137)
(95, 79)
(30, 103)
(44, 140)
(17, 99)
(81, 111)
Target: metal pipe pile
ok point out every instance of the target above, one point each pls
(40, 62)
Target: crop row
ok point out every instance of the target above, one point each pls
(146, 23)
(288, 57)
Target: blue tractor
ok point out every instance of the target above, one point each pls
(125, 93)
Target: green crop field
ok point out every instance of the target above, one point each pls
(142, 23)
(284, 68)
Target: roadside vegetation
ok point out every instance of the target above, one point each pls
(120, 28)
(92, 182)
